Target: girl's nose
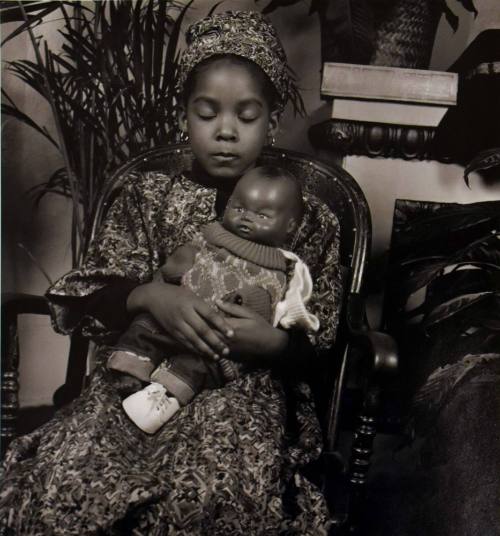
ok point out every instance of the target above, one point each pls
(226, 129)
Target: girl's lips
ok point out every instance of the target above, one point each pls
(224, 157)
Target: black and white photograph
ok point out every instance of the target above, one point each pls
(250, 268)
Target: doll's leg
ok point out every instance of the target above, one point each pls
(174, 384)
(185, 375)
(137, 353)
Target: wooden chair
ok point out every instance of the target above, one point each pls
(371, 355)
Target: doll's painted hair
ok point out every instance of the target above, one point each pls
(275, 173)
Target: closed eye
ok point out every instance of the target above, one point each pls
(205, 109)
(248, 118)
(250, 111)
(206, 116)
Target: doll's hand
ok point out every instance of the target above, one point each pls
(184, 316)
(253, 335)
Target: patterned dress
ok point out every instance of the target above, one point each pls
(227, 464)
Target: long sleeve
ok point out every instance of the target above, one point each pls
(123, 255)
(318, 246)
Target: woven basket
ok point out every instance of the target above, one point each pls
(405, 34)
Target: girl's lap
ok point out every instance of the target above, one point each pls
(225, 452)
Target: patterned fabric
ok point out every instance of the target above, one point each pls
(217, 273)
(242, 33)
(229, 463)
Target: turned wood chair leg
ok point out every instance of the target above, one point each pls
(361, 452)
(10, 381)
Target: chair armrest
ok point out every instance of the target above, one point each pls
(380, 348)
(14, 304)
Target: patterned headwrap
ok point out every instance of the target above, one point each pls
(243, 33)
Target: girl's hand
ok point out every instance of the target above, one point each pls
(253, 336)
(184, 316)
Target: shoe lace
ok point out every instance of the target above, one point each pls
(158, 397)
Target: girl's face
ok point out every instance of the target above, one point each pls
(228, 119)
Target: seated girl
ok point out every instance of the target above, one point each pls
(234, 461)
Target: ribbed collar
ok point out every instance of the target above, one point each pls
(265, 256)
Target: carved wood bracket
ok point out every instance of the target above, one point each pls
(375, 139)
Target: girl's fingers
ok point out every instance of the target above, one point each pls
(235, 310)
(186, 343)
(214, 318)
(203, 338)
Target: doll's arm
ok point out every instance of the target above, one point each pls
(177, 264)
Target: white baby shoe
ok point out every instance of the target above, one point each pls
(150, 408)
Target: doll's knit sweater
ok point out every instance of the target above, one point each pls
(230, 267)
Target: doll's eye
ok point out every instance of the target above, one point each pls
(263, 216)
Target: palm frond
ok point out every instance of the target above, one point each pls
(111, 88)
(21, 116)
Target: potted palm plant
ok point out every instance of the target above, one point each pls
(111, 90)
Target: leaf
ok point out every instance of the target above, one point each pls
(469, 6)
(451, 18)
(423, 270)
(484, 160)
(466, 280)
(170, 60)
(275, 4)
(215, 6)
(36, 262)
(21, 116)
(11, 12)
(57, 184)
(455, 306)
(158, 46)
(430, 229)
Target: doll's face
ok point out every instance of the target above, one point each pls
(262, 210)
(228, 119)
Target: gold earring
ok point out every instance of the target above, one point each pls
(271, 140)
